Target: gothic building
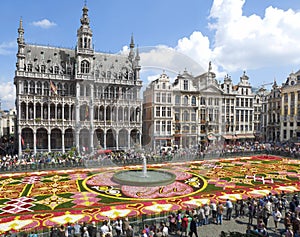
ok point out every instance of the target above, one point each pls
(77, 97)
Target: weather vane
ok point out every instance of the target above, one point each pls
(85, 2)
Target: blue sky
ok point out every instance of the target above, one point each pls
(259, 36)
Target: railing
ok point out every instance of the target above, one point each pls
(155, 159)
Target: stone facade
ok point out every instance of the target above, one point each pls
(77, 97)
(194, 111)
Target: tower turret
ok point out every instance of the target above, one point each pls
(84, 49)
(131, 46)
(84, 33)
(21, 47)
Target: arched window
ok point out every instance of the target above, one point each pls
(88, 90)
(46, 88)
(39, 88)
(59, 89)
(25, 87)
(72, 90)
(66, 90)
(32, 87)
(186, 116)
(85, 66)
(186, 100)
(177, 100)
(202, 101)
(193, 101)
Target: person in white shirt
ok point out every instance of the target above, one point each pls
(213, 206)
(105, 229)
(229, 207)
(165, 230)
(277, 217)
(206, 213)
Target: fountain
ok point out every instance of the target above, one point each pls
(144, 166)
(145, 177)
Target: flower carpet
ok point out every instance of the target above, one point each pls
(46, 198)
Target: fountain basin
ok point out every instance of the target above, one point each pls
(138, 178)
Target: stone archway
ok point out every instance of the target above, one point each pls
(84, 140)
(134, 138)
(111, 139)
(27, 138)
(56, 141)
(123, 139)
(42, 141)
(69, 138)
(99, 138)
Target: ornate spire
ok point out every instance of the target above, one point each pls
(131, 42)
(131, 46)
(85, 18)
(84, 33)
(20, 39)
(209, 66)
(137, 56)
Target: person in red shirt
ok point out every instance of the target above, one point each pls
(184, 226)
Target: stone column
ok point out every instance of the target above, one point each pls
(140, 139)
(34, 111)
(117, 140)
(55, 112)
(63, 112)
(26, 111)
(34, 142)
(91, 109)
(49, 141)
(128, 140)
(49, 112)
(63, 142)
(104, 138)
(20, 143)
(77, 141)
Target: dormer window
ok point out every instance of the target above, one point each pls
(56, 70)
(69, 70)
(85, 66)
(29, 67)
(185, 85)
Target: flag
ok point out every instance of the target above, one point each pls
(53, 87)
(22, 141)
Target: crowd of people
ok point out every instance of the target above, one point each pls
(258, 213)
(50, 160)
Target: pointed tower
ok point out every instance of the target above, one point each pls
(131, 52)
(137, 66)
(21, 47)
(84, 49)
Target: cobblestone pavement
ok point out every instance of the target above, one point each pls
(239, 225)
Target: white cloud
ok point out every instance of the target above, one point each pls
(162, 58)
(253, 42)
(45, 23)
(8, 48)
(197, 46)
(238, 43)
(7, 95)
